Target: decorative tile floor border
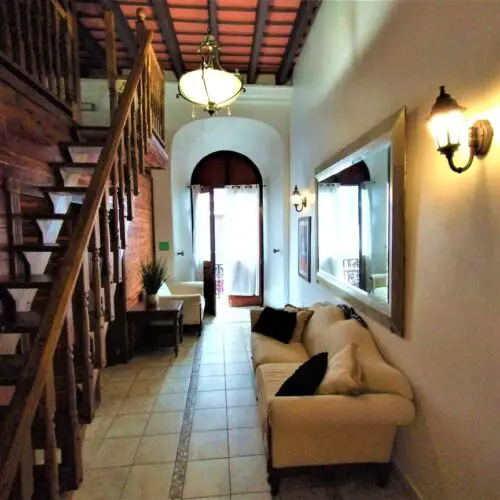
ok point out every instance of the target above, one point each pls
(181, 458)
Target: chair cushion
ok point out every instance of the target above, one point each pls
(267, 350)
(343, 375)
(318, 324)
(276, 323)
(306, 378)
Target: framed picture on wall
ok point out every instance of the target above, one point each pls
(305, 248)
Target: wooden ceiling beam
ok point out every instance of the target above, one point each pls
(305, 17)
(125, 32)
(258, 36)
(162, 13)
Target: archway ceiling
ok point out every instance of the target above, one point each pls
(256, 36)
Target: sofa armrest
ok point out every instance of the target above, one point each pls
(186, 287)
(255, 313)
(298, 412)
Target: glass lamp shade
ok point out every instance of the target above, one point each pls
(446, 121)
(210, 88)
(296, 197)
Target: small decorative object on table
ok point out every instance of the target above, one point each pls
(153, 275)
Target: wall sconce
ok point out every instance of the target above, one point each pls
(298, 200)
(446, 123)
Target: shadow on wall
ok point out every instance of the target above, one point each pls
(262, 144)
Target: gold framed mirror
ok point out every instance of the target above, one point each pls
(360, 223)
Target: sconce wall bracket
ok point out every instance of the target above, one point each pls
(480, 139)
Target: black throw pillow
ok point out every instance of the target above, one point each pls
(276, 323)
(306, 378)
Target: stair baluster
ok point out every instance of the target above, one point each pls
(121, 193)
(109, 310)
(135, 145)
(128, 169)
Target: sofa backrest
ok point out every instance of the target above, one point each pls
(378, 376)
(323, 318)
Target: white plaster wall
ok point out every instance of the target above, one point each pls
(362, 62)
(260, 143)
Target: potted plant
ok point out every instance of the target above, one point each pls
(153, 275)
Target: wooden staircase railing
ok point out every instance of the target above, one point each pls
(40, 415)
(39, 41)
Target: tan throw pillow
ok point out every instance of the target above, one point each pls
(303, 316)
(343, 375)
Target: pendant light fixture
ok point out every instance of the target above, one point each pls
(210, 87)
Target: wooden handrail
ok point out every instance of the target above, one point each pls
(16, 427)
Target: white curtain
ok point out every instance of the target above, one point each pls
(201, 230)
(242, 240)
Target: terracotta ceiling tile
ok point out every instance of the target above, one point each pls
(230, 39)
(231, 15)
(271, 51)
(191, 38)
(191, 58)
(289, 4)
(189, 14)
(247, 4)
(228, 49)
(93, 22)
(187, 3)
(268, 60)
(235, 29)
(288, 17)
(190, 27)
(273, 41)
(278, 29)
(89, 9)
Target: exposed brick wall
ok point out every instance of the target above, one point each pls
(139, 239)
(29, 136)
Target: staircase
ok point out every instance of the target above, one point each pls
(66, 258)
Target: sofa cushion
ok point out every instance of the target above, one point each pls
(276, 323)
(378, 376)
(267, 350)
(303, 316)
(306, 378)
(320, 321)
(343, 375)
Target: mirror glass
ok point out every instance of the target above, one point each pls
(353, 222)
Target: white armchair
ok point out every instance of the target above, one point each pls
(191, 292)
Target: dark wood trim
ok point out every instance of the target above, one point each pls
(90, 44)
(305, 17)
(258, 35)
(125, 32)
(162, 12)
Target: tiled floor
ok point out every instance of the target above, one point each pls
(187, 427)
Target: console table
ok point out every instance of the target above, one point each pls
(166, 320)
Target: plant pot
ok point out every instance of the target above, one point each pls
(152, 301)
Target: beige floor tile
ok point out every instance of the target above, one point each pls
(211, 444)
(212, 347)
(148, 482)
(211, 370)
(170, 402)
(164, 423)
(175, 386)
(241, 397)
(239, 382)
(90, 449)
(98, 428)
(242, 416)
(127, 374)
(109, 407)
(211, 383)
(248, 474)
(212, 498)
(236, 357)
(183, 361)
(137, 404)
(212, 359)
(210, 420)
(238, 369)
(239, 347)
(178, 372)
(243, 442)
(115, 452)
(207, 478)
(103, 484)
(157, 449)
(115, 389)
(145, 387)
(154, 373)
(211, 399)
(128, 425)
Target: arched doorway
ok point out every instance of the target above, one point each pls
(222, 183)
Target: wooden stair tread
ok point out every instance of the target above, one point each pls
(40, 247)
(20, 282)
(11, 366)
(26, 322)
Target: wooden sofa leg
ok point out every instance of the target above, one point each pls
(383, 472)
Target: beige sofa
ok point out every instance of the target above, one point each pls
(328, 429)
(191, 292)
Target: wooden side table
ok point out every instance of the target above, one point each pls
(169, 316)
